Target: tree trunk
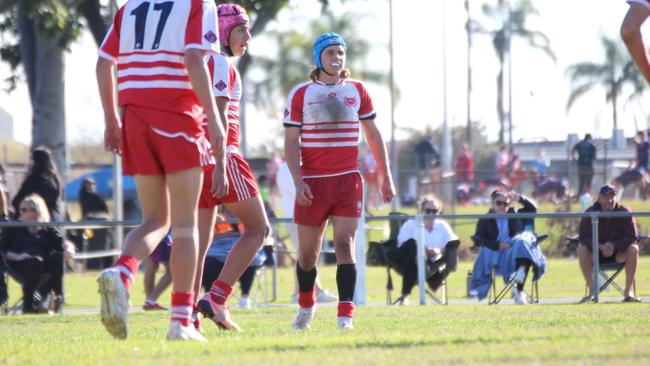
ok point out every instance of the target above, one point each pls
(44, 68)
(500, 112)
(91, 11)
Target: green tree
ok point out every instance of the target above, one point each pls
(35, 34)
(510, 21)
(613, 74)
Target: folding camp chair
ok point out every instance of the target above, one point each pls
(608, 271)
(384, 254)
(495, 297)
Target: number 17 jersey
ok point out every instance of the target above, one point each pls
(148, 40)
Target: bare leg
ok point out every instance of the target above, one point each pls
(184, 188)
(292, 229)
(310, 244)
(631, 257)
(154, 201)
(252, 215)
(584, 257)
(162, 284)
(207, 218)
(345, 230)
(149, 277)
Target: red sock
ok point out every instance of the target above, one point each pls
(128, 267)
(220, 292)
(307, 299)
(346, 309)
(182, 307)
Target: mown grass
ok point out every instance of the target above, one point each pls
(505, 334)
(562, 280)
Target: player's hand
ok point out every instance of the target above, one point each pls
(113, 136)
(387, 190)
(219, 180)
(504, 246)
(303, 194)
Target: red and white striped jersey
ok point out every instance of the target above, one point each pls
(328, 117)
(148, 40)
(227, 83)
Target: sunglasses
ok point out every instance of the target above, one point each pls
(501, 203)
(431, 211)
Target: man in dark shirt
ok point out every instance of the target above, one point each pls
(585, 152)
(617, 238)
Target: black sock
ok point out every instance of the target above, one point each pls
(346, 280)
(306, 279)
(526, 263)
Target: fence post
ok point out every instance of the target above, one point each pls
(594, 254)
(419, 234)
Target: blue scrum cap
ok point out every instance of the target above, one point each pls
(323, 41)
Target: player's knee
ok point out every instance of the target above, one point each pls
(632, 251)
(583, 252)
(185, 232)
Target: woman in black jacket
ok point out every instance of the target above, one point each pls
(43, 180)
(35, 251)
(498, 237)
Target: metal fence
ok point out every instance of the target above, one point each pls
(360, 250)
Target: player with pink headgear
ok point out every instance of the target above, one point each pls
(242, 197)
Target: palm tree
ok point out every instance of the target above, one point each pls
(510, 22)
(617, 71)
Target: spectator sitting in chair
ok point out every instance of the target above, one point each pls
(505, 246)
(225, 237)
(35, 251)
(437, 234)
(617, 238)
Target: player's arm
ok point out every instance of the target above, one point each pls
(378, 148)
(631, 34)
(200, 79)
(292, 155)
(105, 72)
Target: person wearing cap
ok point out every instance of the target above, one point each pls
(322, 121)
(507, 245)
(617, 238)
(242, 198)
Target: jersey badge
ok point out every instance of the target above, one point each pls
(210, 37)
(332, 95)
(350, 101)
(220, 85)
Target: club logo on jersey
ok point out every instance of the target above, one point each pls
(332, 95)
(210, 37)
(286, 113)
(220, 85)
(350, 101)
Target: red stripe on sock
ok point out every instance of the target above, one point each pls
(182, 299)
(346, 309)
(131, 265)
(306, 299)
(220, 292)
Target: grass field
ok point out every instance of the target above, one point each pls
(456, 334)
(505, 334)
(611, 333)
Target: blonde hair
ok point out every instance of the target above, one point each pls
(430, 198)
(315, 74)
(36, 202)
